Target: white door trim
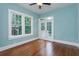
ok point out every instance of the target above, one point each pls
(49, 19)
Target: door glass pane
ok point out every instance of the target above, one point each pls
(27, 25)
(42, 26)
(16, 24)
(49, 29)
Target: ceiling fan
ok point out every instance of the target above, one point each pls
(40, 4)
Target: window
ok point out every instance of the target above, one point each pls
(19, 24)
(42, 26)
(16, 24)
(49, 25)
(27, 25)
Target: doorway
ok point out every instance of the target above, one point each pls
(46, 28)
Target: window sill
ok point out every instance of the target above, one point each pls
(19, 36)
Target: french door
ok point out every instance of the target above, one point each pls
(46, 28)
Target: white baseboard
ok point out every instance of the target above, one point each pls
(20, 43)
(16, 44)
(64, 42)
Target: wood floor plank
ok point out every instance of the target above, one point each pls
(42, 48)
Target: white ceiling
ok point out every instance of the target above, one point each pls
(45, 8)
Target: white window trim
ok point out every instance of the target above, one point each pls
(23, 25)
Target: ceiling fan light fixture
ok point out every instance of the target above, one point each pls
(39, 2)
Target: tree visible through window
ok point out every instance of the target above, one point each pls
(19, 24)
(16, 24)
(27, 25)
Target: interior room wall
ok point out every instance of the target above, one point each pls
(65, 23)
(4, 40)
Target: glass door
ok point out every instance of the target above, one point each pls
(49, 29)
(46, 29)
(42, 28)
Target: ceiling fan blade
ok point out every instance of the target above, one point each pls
(32, 3)
(47, 3)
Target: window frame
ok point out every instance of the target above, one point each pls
(10, 11)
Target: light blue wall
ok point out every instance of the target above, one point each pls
(65, 23)
(78, 22)
(4, 40)
(0, 24)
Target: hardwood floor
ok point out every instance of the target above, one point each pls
(42, 48)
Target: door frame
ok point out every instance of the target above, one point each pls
(39, 26)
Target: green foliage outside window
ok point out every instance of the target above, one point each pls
(27, 25)
(49, 24)
(16, 24)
